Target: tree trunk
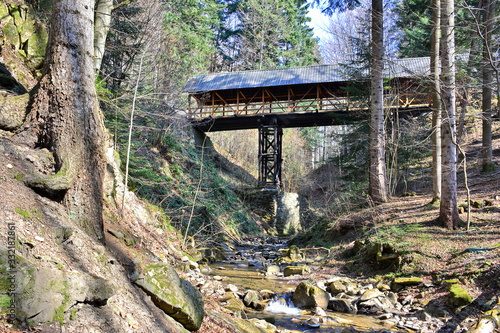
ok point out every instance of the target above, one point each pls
(473, 52)
(102, 21)
(436, 101)
(378, 186)
(488, 16)
(66, 119)
(448, 214)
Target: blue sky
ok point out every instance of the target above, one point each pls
(318, 22)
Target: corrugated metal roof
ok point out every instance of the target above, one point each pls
(408, 67)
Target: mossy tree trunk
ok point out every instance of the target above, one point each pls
(65, 116)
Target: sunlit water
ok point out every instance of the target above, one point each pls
(281, 312)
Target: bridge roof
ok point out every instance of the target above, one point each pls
(400, 68)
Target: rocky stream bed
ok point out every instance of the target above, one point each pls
(284, 289)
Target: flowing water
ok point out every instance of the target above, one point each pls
(245, 268)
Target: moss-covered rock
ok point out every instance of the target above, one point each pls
(295, 270)
(409, 281)
(458, 296)
(175, 296)
(45, 294)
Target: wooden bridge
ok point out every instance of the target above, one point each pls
(322, 95)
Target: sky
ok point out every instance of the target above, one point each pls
(318, 22)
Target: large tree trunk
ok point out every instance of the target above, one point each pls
(448, 214)
(65, 117)
(436, 101)
(378, 186)
(488, 17)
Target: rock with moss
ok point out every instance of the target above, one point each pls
(341, 285)
(408, 281)
(175, 296)
(307, 296)
(43, 295)
(295, 270)
(251, 296)
(458, 296)
(239, 325)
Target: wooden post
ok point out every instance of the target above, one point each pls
(238, 101)
(213, 104)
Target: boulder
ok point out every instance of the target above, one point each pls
(45, 294)
(370, 293)
(251, 296)
(234, 306)
(273, 269)
(458, 296)
(267, 294)
(340, 285)
(295, 270)
(342, 305)
(175, 296)
(308, 296)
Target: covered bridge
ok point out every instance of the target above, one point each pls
(301, 96)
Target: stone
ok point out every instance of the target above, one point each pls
(458, 296)
(273, 269)
(231, 288)
(234, 306)
(295, 270)
(411, 281)
(259, 306)
(43, 295)
(341, 286)
(175, 296)
(294, 253)
(372, 305)
(308, 296)
(13, 111)
(251, 296)
(116, 234)
(267, 294)
(342, 305)
(369, 294)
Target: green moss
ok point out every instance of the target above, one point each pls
(73, 314)
(24, 213)
(408, 281)
(458, 296)
(59, 315)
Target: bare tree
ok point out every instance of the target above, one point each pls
(448, 214)
(436, 101)
(377, 186)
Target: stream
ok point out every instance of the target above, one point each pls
(245, 267)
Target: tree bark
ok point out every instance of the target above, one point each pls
(436, 101)
(66, 119)
(448, 214)
(488, 16)
(378, 184)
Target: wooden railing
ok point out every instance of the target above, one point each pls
(216, 106)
